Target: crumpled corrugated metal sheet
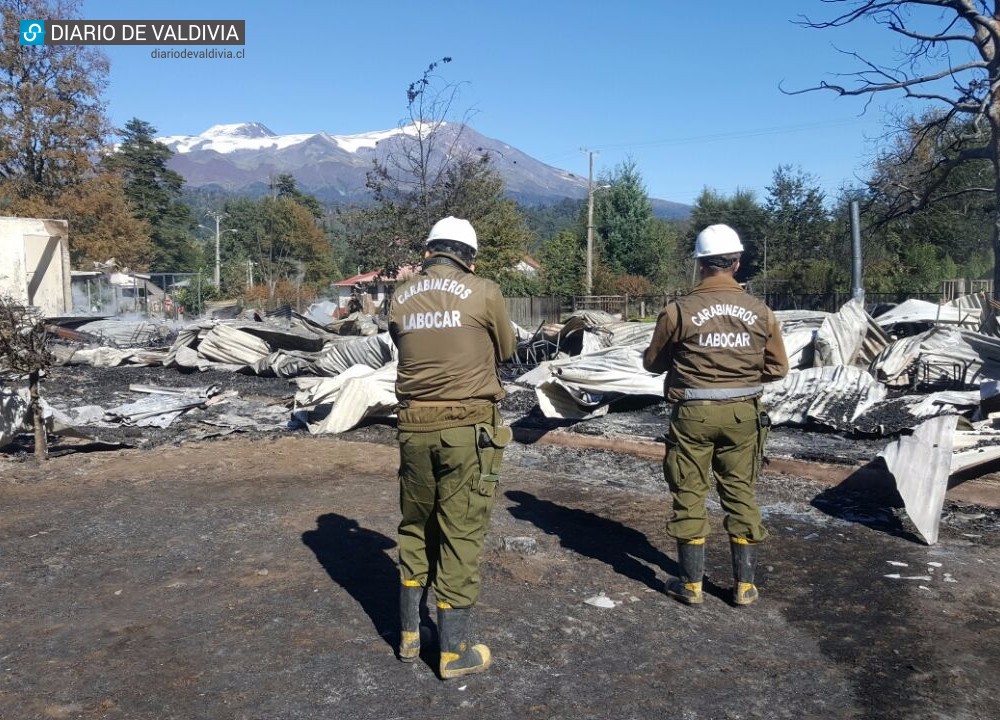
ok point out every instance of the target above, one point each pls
(16, 418)
(941, 354)
(337, 404)
(373, 351)
(984, 306)
(285, 364)
(832, 396)
(582, 386)
(225, 344)
(161, 406)
(336, 357)
(798, 330)
(299, 337)
(102, 356)
(123, 333)
(274, 351)
(848, 337)
(589, 330)
(623, 333)
(987, 349)
(921, 311)
(920, 465)
(322, 313)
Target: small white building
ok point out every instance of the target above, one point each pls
(34, 263)
(529, 266)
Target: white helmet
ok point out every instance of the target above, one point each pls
(717, 240)
(453, 228)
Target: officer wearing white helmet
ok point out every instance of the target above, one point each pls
(717, 345)
(451, 329)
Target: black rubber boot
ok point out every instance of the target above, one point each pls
(457, 656)
(410, 598)
(691, 558)
(744, 567)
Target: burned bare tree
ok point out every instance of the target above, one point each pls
(950, 59)
(24, 353)
(409, 175)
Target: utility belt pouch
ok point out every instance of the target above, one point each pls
(490, 442)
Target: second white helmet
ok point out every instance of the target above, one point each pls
(453, 228)
(717, 240)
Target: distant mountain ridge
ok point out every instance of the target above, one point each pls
(245, 157)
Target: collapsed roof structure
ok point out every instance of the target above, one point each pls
(900, 372)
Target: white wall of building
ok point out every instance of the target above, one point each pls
(34, 263)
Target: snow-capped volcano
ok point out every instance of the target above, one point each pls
(245, 157)
(232, 138)
(254, 136)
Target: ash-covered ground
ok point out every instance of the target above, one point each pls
(254, 576)
(263, 406)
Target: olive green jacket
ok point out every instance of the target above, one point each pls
(451, 328)
(716, 343)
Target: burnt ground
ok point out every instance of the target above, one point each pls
(254, 577)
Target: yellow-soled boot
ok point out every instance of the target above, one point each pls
(744, 566)
(691, 558)
(457, 656)
(410, 596)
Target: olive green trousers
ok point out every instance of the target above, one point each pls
(446, 501)
(724, 439)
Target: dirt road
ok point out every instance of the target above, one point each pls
(256, 579)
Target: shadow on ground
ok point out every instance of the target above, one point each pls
(356, 558)
(625, 549)
(868, 497)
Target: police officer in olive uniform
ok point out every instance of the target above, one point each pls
(452, 329)
(717, 345)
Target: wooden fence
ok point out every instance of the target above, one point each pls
(530, 312)
(626, 307)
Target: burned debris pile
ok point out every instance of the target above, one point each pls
(854, 375)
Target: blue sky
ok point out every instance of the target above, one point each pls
(690, 91)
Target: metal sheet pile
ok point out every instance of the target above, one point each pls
(851, 372)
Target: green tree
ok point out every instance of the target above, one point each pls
(563, 260)
(284, 186)
(797, 251)
(154, 192)
(622, 217)
(52, 115)
(473, 189)
(281, 240)
(799, 224)
(958, 224)
(671, 256)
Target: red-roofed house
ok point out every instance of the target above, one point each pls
(372, 289)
